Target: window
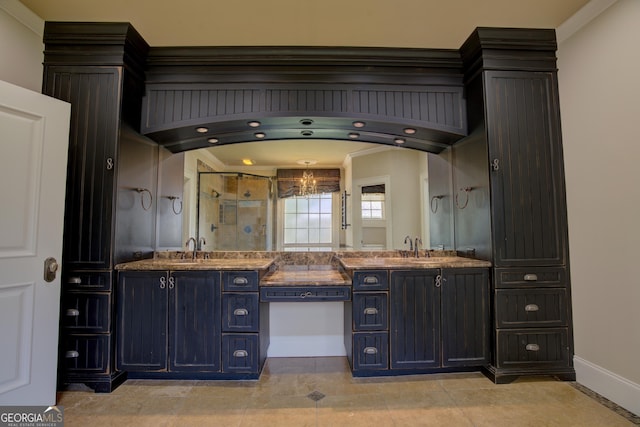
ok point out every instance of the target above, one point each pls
(308, 222)
(372, 206)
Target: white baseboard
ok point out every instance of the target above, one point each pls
(608, 384)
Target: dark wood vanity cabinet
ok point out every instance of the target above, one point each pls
(418, 321)
(168, 322)
(439, 318)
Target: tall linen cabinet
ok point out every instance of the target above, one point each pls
(99, 69)
(510, 198)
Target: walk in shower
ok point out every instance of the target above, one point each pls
(235, 211)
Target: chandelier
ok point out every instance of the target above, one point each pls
(307, 183)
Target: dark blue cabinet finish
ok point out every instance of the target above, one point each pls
(371, 280)
(240, 312)
(370, 311)
(168, 321)
(465, 317)
(194, 321)
(415, 319)
(240, 281)
(240, 353)
(370, 351)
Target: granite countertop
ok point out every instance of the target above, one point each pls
(355, 263)
(198, 264)
(306, 275)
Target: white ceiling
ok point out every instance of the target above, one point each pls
(384, 23)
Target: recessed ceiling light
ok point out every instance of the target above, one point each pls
(409, 131)
(354, 135)
(248, 162)
(259, 135)
(306, 122)
(213, 140)
(358, 124)
(202, 130)
(254, 124)
(306, 132)
(399, 140)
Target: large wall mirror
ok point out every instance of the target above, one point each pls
(235, 206)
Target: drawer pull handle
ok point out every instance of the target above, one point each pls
(531, 307)
(72, 354)
(240, 353)
(370, 350)
(306, 294)
(72, 312)
(240, 312)
(530, 277)
(240, 281)
(370, 280)
(532, 347)
(74, 280)
(370, 310)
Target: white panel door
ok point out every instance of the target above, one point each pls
(34, 138)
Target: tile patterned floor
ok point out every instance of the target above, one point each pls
(321, 392)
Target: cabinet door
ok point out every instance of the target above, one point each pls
(194, 321)
(142, 321)
(527, 178)
(465, 317)
(93, 137)
(415, 319)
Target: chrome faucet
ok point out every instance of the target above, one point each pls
(416, 247)
(201, 243)
(195, 246)
(408, 240)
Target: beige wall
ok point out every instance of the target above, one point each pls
(21, 46)
(599, 77)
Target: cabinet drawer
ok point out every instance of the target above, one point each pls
(537, 277)
(87, 281)
(304, 293)
(240, 353)
(238, 281)
(86, 313)
(370, 350)
(370, 311)
(240, 312)
(532, 348)
(531, 308)
(86, 353)
(371, 280)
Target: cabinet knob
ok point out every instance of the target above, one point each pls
(163, 282)
(240, 312)
(306, 294)
(370, 350)
(240, 353)
(530, 277)
(531, 307)
(72, 354)
(72, 312)
(370, 310)
(532, 347)
(74, 280)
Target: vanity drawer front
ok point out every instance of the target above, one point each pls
(531, 308)
(532, 348)
(85, 354)
(240, 312)
(304, 293)
(370, 350)
(240, 353)
(86, 312)
(91, 281)
(239, 281)
(370, 311)
(371, 280)
(534, 277)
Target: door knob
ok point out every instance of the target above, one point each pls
(50, 269)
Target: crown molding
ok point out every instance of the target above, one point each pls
(581, 18)
(24, 15)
